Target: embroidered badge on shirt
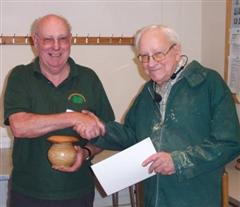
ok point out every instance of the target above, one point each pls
(76, 98)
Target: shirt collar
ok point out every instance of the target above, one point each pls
(71, 62)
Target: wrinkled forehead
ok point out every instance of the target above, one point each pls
(154, 39)
(52, 26)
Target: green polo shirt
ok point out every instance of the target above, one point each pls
(29, 91)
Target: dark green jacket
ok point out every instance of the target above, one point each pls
(29, 91)
(200, 130)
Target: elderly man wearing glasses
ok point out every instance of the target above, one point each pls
(45, 98)
(188, 112)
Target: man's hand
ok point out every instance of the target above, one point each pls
(89, 126)
(161, 162)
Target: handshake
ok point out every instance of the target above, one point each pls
(87, 125)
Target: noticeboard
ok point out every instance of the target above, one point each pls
(232, 48)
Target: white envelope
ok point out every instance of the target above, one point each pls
(124, 168)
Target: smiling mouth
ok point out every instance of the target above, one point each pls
(153, 70)
(55, 55)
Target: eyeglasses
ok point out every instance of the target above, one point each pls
(49, 41)
(158, 57)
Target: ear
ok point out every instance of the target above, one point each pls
(178, 50)
(70, 37)
(35, 41)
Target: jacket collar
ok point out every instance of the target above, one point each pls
(194, 73)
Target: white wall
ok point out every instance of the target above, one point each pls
(114, 64)
(213, 34)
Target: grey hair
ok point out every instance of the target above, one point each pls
(37, 22)
(170, 33)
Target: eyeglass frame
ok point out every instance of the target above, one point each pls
(164, 54)
(49, 41)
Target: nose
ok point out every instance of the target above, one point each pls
(56, 44)
(151, 62)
